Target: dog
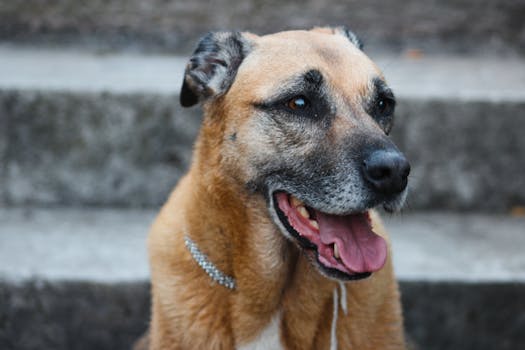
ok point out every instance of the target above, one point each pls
(271, 240)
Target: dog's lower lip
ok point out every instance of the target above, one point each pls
(305, 243)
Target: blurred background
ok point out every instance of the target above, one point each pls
(92, 139)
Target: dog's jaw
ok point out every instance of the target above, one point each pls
(328, 252)
(396, 203)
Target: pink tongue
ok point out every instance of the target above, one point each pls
(361, 250)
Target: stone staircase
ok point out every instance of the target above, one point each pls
(92, 139)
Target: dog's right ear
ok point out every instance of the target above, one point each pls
(213, 66)
(344, 31)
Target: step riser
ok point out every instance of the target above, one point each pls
(129, 150)
(73, 316)
(76, 315)
(451, 26)
(464, 155)
(94, 149)
(464, 316)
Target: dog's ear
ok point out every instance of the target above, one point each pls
(344, 31)
(213, 66)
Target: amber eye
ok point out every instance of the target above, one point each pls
(298, 103)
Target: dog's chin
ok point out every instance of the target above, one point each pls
(396, 203)
(342, 247)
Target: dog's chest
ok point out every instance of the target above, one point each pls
(269, 338)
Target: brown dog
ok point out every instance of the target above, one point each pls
(269, 241)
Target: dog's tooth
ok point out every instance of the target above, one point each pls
(304, 213)
(296, 202)
(336, 251)
(314, 224)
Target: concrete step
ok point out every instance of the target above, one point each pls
(485, 26)
(81, 128)
(109, 245)
(79, 315)
(77, 278)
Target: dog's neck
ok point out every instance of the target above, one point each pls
(236, 232)
(238, 236)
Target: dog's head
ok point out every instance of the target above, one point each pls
(302, 118)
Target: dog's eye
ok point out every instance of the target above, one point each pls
(298, 103)
(381, 105)
(384, 106)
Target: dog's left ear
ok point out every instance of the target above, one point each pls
(213, 66)
(344, 31)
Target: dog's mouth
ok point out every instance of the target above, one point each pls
(345, 247)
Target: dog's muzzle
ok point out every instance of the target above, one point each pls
(329, 217)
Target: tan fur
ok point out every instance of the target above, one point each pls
(232, 226)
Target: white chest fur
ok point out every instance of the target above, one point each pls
(269, 338)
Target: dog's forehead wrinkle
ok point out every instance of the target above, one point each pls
(350, 83)
(313, 76)
(331, 57)
(346, 102)
(309, 78)
(280, 89)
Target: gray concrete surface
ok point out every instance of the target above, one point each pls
(476, 78)
(77, 279)
(94, 149)
(4, 136)
(77, 315)
(88, 71)
(466, 316)
(460, 26)
(108, 245)
(61, 315)
(471, 78)
(465, 156)
(462, 247)
(81, 128)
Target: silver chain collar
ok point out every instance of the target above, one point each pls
(208, 267)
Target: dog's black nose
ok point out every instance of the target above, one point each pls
(387, 171)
